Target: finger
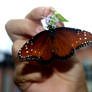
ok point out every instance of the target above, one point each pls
(39, 13)
(22, 29)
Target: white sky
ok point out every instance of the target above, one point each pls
(78, 12)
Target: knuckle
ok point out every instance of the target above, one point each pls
(8, 25)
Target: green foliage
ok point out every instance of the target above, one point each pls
(61, 18)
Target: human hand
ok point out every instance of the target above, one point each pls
(66, 76)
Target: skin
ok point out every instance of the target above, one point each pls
(40, 78)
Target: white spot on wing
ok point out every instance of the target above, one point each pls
(27, 52)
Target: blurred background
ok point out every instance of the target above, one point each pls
(78, 12)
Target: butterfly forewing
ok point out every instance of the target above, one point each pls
(63, 43)
(82, 38)
(68, 39)
(39, 46)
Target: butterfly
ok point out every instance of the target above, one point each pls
(59, 44)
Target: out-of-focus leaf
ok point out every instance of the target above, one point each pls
(61, 18)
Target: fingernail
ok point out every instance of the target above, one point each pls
(39, 29)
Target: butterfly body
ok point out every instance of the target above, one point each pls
(60, 43)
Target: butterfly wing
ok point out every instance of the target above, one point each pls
(59, 44)
(68, 39)
(37, 48)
